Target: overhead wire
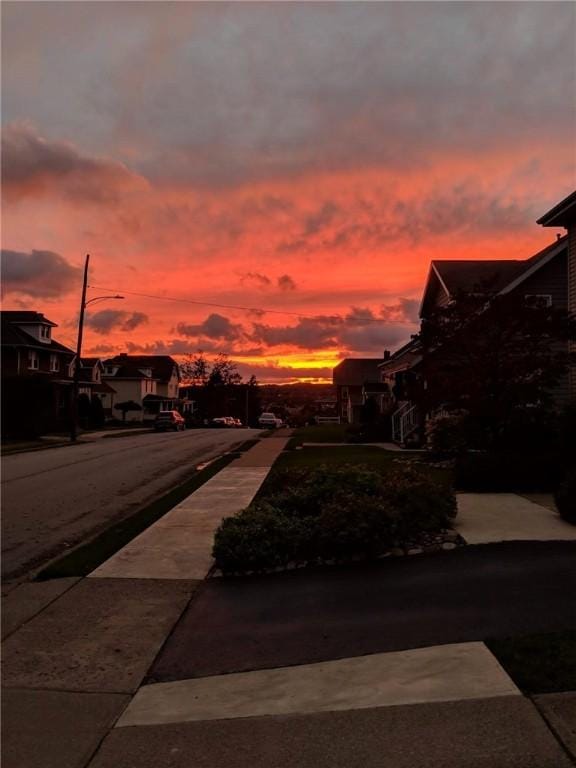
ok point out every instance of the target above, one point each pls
(255, 310)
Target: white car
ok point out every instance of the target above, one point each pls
(269, 421)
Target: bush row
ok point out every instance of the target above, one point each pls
(332, 514)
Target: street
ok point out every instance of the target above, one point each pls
(54, 499)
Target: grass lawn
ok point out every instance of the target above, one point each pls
(320, 433)
(335, 456)
(544, 663)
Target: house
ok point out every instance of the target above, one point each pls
(563, 214)
(151, 381)
(351, 378)
(542, 278)
(36, 375)
(90, 381)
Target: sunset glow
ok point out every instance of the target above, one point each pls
(308, 159)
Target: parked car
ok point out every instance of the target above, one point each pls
(223, 421)
(169, 420)
(269, 421)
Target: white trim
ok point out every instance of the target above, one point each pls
(534, 268)
(431, 270)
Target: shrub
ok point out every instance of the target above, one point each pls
(565, 498)
(259, 538)
(447, 434)
(332, 513)
(419, 504)
(350, 527)
(509, 471)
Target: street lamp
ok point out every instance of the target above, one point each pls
(76, 374)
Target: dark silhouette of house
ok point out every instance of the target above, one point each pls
(544, 278)
(36, 375)
(352, 378)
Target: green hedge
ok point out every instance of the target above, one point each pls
(336, 513)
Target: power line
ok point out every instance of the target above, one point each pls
(257, 310)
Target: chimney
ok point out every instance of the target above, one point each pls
(386, 354)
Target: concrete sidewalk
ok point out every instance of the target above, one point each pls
(77, 651)
(179, 545)
(485, 518)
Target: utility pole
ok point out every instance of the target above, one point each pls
(76, 376)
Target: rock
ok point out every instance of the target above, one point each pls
(396, 551)
(449, 545)
(415, 551)
(451, 536)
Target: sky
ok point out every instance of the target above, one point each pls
(271, 180)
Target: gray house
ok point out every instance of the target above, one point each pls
(548, 276)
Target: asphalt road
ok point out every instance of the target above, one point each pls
(302, 617)
(54, 499)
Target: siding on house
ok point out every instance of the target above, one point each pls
(551, 280)
(572, 301)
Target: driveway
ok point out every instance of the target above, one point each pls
(57, 498)
(301, 617)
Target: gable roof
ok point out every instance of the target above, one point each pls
(14, 336)
(356, 371)
(23, 317)
(498, 276)
(161, 365)
(469, 276)
(562, 214)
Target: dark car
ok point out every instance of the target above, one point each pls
(169, 420)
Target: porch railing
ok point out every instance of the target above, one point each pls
(404, 421)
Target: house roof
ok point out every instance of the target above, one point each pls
(460, 275)
(356, 371)
(13, 336)
(161, 365)
(456, 275)
(24, 316)
(127, 372)
(405, 357)
(562, 214)
(101, 387)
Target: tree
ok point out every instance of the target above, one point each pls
(194, 370)
(224, 371)
(493, 357)
(128, 405)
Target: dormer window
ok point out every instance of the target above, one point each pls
(45, 333)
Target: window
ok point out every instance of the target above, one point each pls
(45, 332)
(538, 300)
(33, 360)
(54, 363)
